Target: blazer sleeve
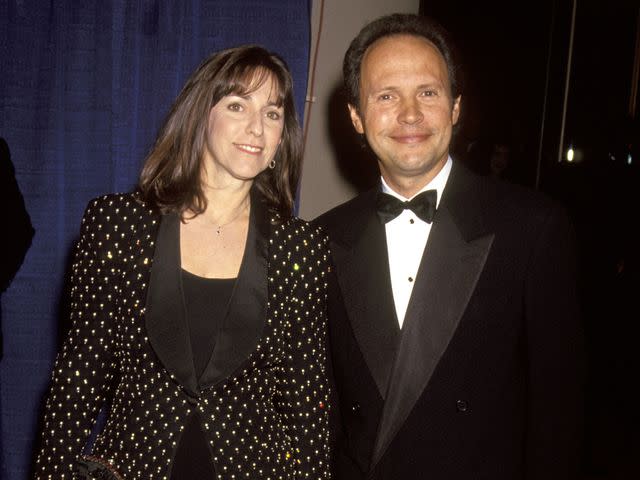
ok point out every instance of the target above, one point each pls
(556, 373)
(303, 397)
(83, 370)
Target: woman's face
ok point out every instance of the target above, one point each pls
(243, 134)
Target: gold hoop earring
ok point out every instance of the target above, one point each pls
(272, 164)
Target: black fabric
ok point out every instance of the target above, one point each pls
(193, 457)
(487, 379)
(242, 328)
(245, 320)
(165, 319)
(373, 317)
(206, 301)
(423, 205)
(449, 256)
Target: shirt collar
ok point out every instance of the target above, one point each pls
(437, 183)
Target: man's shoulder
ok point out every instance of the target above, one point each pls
(344, 214)
(496, 195)
(524, 201)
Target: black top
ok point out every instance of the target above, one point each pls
(206, 301)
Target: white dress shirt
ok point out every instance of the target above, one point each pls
(407, 237)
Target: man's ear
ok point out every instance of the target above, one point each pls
(355, 119)
(455, 111)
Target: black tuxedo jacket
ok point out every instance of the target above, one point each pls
(263, 395)
(484, 381)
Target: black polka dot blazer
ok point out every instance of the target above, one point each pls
(263, 397)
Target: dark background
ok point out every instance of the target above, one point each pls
(515, 57)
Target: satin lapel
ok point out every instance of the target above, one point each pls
(245, 318)
(447, 276)
(165, 318)
(363, 275)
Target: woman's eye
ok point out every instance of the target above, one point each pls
(234, 107)
(274, 115)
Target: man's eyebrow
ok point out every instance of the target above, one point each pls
(433, 84)
(386, 88)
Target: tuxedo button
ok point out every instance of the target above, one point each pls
(355, 408)
(462, 406)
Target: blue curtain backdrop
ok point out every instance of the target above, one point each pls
(84, 86)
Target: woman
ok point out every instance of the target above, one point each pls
(198, 302)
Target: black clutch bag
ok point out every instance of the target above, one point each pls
(94, 468)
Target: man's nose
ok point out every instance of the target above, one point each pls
(410, 112)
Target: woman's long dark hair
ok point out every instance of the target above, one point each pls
(171, 178)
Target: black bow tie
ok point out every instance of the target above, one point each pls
(423, 205)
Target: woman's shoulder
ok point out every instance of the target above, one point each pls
(118, 211)
(122, 204)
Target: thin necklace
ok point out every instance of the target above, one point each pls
(220, 227)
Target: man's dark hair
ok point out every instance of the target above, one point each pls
(398, 24)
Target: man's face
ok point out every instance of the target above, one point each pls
(406, 110)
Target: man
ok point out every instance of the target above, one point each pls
(454, 331)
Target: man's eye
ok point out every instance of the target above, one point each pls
(429, 93)
(385, 96)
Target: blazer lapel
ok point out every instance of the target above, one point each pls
(243, 324)
(362, 268)
(447, 276)
(244, 321)
(165, 318)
